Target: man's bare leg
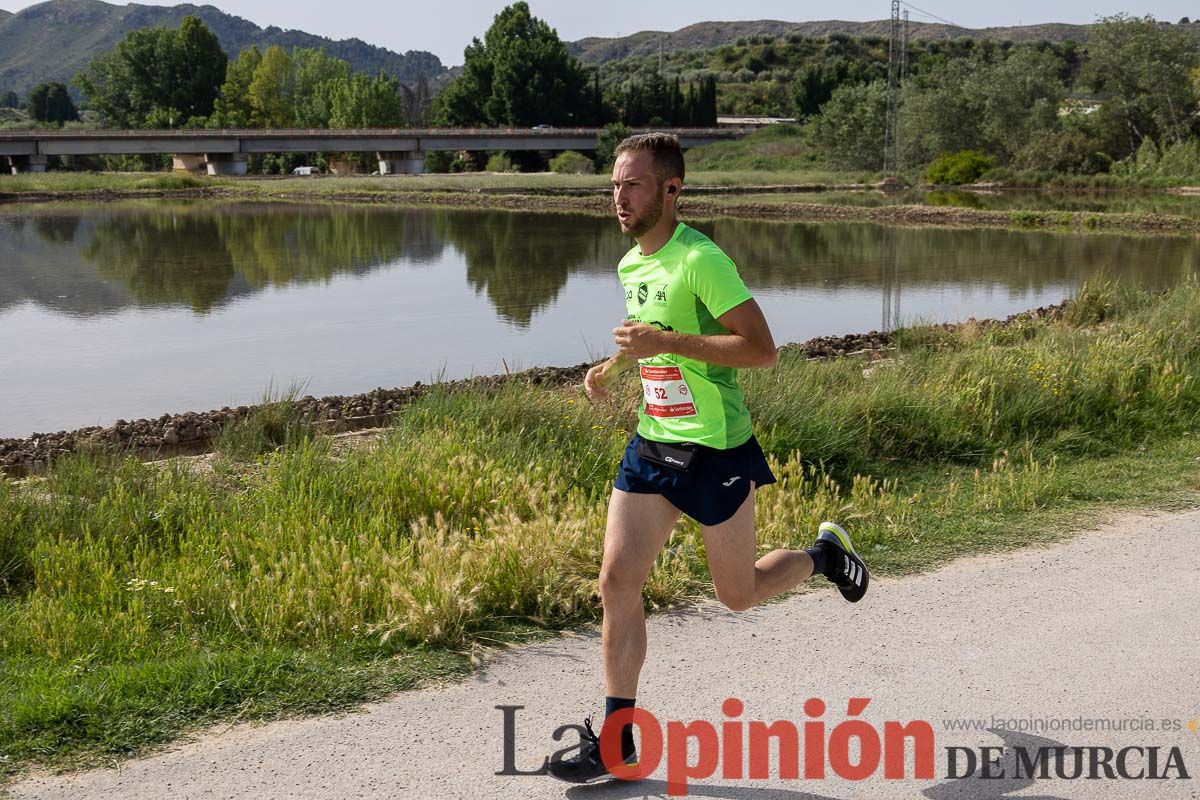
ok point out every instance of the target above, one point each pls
(739, 580)
(638, 526)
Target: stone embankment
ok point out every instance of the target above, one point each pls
(195, 431)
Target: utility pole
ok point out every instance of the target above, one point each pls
(893, 95)
(900, 79)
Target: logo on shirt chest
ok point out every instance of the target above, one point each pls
(660, 294)
(643, 293)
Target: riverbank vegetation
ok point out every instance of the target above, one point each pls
(138, 601)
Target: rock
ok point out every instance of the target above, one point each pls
(170, 435)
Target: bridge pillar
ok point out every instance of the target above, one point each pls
(342, 165)
(404, 162)
(28, 164)
(226, 163)
(194, 163)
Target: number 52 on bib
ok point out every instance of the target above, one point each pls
(666, 392)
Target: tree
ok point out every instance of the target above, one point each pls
(462, 102)
(232, 108)
(990, 103)
(422, 99)
(272, 90)
(1021, 96)
(677, 113)
(815, 82)
(519, 75)
(850, 126)
(316, 76)
(706, 102)
(156, 68)
(363, 102)
(199, 68)
(50, 102)
(10, 99)
(606, 144)
(1143, 68)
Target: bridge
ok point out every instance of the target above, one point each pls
(224, 152)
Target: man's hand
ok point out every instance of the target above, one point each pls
(594, 382)
(638, 340)
(601, 376)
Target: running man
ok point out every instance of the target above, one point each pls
(691, 324)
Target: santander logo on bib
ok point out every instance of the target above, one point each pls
(667, 393)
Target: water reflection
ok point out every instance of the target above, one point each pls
(202, 255)
(522, 261)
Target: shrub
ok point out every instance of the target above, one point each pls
(438, 161)
(277, 422)
(570, 162)
(1064, 151)
(606, 144)
(1177, 160)
(966, 166)
(500, 162)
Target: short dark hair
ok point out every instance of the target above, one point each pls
(662, 147)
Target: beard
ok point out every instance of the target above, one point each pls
(640, 224)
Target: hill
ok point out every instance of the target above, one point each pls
(57, 39)
(705, 35)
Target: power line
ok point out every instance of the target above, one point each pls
(931, 16)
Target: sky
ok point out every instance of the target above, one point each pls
(445, 27)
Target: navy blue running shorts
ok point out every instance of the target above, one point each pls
(710, 491)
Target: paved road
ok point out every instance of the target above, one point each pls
(1102, 626)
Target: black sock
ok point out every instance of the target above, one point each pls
(611, 706)
(817, 554)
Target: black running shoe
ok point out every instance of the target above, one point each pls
(585, 766)
(844, 567)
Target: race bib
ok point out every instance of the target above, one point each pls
(667, 393)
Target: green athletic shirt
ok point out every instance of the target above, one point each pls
(683, 287)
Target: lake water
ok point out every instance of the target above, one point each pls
(126, 310)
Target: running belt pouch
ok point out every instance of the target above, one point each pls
(676, 456)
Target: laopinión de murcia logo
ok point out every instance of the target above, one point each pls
(852, 749)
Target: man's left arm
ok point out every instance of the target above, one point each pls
(748, 343)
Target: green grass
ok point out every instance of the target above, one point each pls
(274, 423)
(37, 183)
(1044, 179)
(139, 601)
(472, 182)
(774, 148)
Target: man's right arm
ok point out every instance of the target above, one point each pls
(601, 376)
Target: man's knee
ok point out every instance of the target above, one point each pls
(618, 585)
(736, 599)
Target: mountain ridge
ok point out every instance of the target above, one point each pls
(56, 39)
(703, 35)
